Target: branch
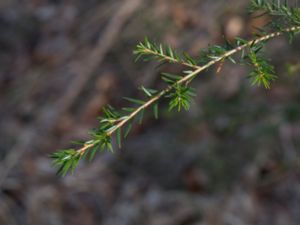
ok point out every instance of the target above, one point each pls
(188, 77)
(178, 90)
(164, 54)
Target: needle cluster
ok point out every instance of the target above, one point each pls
(282, 10)
(178, 90)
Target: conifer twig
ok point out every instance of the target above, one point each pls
(286, 21)
(186, 78)
(170, 59)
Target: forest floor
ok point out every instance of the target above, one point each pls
(232, 159)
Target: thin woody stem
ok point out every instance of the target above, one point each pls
(187, 78)
(170, 59)
(84, 148)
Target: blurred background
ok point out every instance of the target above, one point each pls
(233, 159)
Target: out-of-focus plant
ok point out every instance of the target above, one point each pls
(293, 68)
(285, 21)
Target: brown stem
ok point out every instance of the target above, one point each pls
(197, 70)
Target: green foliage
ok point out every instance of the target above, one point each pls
(279, 9)
(65, 160)
(178, 91)
(214, 52)
(68, 159)
(181, 97)
(152, 51)
(263, 72)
